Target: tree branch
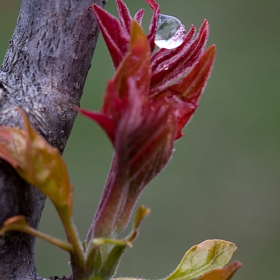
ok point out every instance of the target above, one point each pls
(43, 72)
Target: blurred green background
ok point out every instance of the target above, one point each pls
(223, 180)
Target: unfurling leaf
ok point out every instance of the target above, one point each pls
(208, 255)
(38, 163)
(224, 273)
(145, 107)
(140, 215)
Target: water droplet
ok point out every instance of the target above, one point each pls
(170, 33)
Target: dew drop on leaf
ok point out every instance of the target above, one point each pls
(170, 33)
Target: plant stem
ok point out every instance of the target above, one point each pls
(55, 241)
(111, 205)
(77, 254)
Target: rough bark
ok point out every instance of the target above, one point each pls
(43, 72)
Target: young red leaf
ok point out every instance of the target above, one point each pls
(162, 55)
(124, 15)
(135, 66)
(144, 109)
(103, 120)
(191, 87)
(116, 40)
(143, 140)
(185, 93)
(139, 16)
(179, 61)
(154, 22)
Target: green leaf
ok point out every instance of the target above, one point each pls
(225, 273)
(38, 163)
(104, 257)
(202, 258)
(111, 263)
(93, 261)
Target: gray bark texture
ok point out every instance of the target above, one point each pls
(43, 72)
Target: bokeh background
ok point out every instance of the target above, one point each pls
(223, 180)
